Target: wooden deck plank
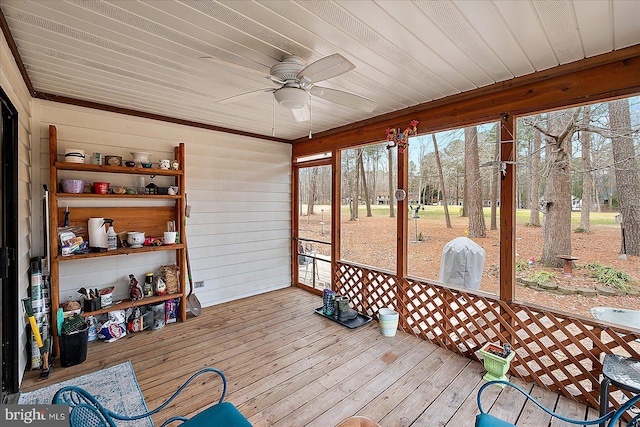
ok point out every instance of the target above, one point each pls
(509, 402)
(570, 409)
(288, 366)
(376, 387)
(444, 407)
(532, 415)
(413, 405)
(382, 405)
(288, 404)
(349, 382)
(269, 388)
(465, 416)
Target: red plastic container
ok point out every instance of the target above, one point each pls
(101, 187)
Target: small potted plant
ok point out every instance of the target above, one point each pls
(496, 361)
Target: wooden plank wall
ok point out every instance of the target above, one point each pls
(238, 187)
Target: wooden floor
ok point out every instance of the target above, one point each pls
(288, 366)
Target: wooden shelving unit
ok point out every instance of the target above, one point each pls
(151, 219)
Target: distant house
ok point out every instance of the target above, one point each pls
(382, 199)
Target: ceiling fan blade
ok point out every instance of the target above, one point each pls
(242, 96)
(345, 98)
(326, 68)
(302, 114)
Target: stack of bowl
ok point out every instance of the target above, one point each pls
(74, 155)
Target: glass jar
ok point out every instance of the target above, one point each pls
(147, 289)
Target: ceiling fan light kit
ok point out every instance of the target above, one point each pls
(292, 98)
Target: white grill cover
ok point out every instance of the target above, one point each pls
(462, 263)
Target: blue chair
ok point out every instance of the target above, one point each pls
(483, 419)
(86, 411)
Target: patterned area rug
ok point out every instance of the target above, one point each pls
(116, 388)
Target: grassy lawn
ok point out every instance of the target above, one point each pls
(522, 215)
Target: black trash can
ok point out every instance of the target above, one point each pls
(73, 347)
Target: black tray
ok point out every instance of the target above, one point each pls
(360, 320)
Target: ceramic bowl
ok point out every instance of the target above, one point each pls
(73, 185)
(101, 187)
(129, 163)
(140, 157)
(146, 165)
(135, 239)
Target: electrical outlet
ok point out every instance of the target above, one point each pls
(198, 284)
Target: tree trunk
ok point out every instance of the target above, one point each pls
(392, 199)
(495, 180)
(557, 229)
(477, 226)
(313, 190)
(587, 184)
(534, 179)
(442, 189)
(365, 189)
(421, 198)
(465, 194)
(356, 189)
(626, 173)
(374, 178)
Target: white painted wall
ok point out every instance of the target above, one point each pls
(239, 189)
(13, 85)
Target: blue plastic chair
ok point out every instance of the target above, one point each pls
(483, 419)
(86, 411)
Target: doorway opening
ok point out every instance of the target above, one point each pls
(8, 246)
(312, 243)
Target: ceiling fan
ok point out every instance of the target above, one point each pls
(297, 82)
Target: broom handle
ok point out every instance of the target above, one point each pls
(186, 254)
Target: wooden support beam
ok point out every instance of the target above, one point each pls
(295, 220)
(335, 212)
(507, 208)
(403, 213)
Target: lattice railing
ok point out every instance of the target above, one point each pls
(558, 351)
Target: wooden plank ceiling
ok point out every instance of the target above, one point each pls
(178, 58)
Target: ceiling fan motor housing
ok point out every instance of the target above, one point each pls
(288, 68)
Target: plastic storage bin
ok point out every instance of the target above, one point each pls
(73, 347)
